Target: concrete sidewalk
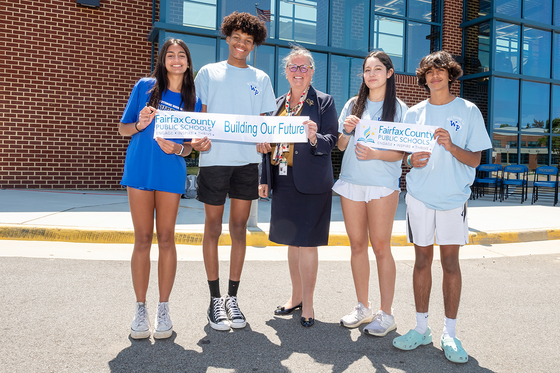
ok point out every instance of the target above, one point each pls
(104, 217)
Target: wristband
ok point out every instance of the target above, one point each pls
(346, 133)
(408, 160)
(313, 144)
(181, 151)
(136, 126)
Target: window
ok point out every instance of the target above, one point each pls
(507, 47)
(477, 57)
(389, 37)
(345, 79)
(556, 49)
(555, 110)
(420, 38)
(506, 104)
(196, 13)
(425, 10)
(534, 150)
(391, 7)
(509, 7)
(350, 24)
(265, 58)
(304, 21)
(536, 52)
(504, 144)
(538, 10)
(535, 103)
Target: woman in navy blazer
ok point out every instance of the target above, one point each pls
(301, 177)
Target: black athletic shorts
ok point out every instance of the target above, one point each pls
(215, 183)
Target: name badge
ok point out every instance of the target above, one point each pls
(283, 168)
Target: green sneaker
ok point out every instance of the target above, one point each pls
(413, 339)
(453, 350)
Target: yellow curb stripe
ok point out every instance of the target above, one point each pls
(257, 239)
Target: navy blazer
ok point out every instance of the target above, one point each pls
(312, 166)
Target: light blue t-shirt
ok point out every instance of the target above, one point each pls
(146, 165)
(372, 172)
(444, 183)
(226, 89)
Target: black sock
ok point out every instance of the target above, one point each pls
(214, 288)
(233, 285)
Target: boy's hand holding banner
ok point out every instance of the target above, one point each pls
(244, 128)
(406, 137)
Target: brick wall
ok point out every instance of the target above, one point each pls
(66, 75)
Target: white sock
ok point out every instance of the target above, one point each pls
(421, 322)
(449, 328)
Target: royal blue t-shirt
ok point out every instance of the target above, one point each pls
(147, 166)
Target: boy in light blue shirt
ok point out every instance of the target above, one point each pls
(227, 168)
(438, 188)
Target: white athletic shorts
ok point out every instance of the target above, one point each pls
(360, 193)
(450, 226)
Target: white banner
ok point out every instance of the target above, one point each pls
(244, 128)
(407, 137)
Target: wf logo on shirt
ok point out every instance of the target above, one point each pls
(456, 123)
(254, 88)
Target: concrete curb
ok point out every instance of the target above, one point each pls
(256, 238)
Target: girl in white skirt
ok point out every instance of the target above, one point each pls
(369, 192)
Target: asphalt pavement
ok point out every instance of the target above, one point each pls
(74, 315)
(66, 300)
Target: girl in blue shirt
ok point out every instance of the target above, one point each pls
(154, 174)
(369, 192)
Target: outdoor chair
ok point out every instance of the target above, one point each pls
(516, 177)
(487, 177)
(546, 178)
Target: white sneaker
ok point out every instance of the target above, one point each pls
(360, 315)
(163, 328)
(140, 324)
(381, 325)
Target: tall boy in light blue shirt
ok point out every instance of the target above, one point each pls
(227, 168)
(438, 188)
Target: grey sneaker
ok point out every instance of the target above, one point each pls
(163, 328)
(381, 325)
(236, 317)
(360, 315)
(217, 316)
(140, 324)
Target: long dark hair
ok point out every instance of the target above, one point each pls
(188, 95)
(390, 100)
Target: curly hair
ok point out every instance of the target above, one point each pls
(438, 59)
(390, 100)
(188, 96)
(246, 23)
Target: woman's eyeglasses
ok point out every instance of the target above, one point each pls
(303, 68)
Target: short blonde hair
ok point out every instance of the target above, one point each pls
(298, 50)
